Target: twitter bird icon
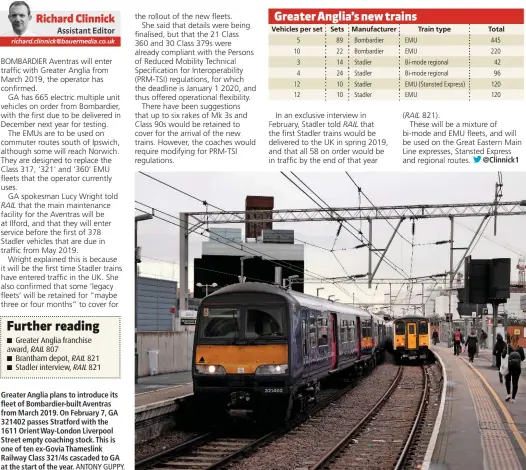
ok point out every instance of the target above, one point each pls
(477, 159)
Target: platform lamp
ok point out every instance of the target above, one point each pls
(290, 278)
(206, 286)
(242, 260)
(138, 218)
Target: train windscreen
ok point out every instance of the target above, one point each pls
(220, 323)
(422, 328)
(400, 328)
(265, 320)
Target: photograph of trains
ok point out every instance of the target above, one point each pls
(306, 320)
(263, 348)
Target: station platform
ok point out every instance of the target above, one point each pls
(161, 388)
(476, 428)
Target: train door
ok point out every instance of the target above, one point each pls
(358, 338)
(334, 343)
(411, 336)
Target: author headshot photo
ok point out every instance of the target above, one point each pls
(20, 17)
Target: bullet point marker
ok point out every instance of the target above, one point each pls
(9, 358)
(9, 367)
(9, 340)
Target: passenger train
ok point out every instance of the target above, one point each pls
(411, 338)
(264, 349)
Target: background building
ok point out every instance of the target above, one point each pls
(260, 252)
(255, 207)
(220, 262)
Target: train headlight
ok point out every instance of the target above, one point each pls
(272, 369)
(210, 369)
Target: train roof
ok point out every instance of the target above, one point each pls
(291, 296)
(324, 304)
(411, 317)
(252, 287)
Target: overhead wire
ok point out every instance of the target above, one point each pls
(207, 204)
(330, 214)
(204, 269)
(386, 260)
(331, 211)
(501, 244)
(249, 250)
(360, 192)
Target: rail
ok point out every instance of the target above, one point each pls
(409, 442)
(342, 449)
(325, 460)
(218, 460)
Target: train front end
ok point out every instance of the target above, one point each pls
(241, 353)
(411, 338)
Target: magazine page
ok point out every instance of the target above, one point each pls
(328, 208)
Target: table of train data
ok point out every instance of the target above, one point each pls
(424, 54)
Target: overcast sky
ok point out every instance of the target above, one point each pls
(160, 240)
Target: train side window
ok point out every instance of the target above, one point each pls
(343, 331)
(411, 329)
(304, 336)
(323, 339)
(312, 331)
(422, 328)
(400, 328)
(350, 329)
(366, 329)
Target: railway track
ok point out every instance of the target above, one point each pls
(213, 450)
(382, 439)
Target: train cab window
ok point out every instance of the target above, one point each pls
(219, 323)
(323, 331)
(422, 327)
(400, 328)
(411, 329)
(265, 320)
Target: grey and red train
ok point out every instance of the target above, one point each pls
(265, 349)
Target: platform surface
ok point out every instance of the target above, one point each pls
(159, 388)
(478, 430)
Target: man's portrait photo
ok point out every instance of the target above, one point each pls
(19, 16)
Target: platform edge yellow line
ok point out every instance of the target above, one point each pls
(509, 420)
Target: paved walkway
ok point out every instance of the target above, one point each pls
(163, 388)
(156, 382)
(478, 430)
